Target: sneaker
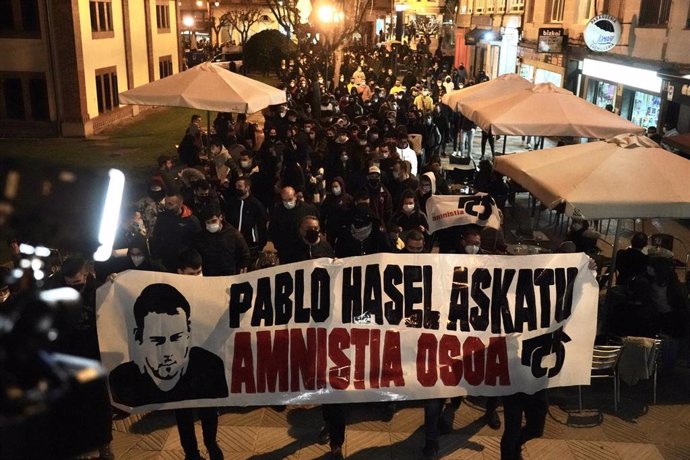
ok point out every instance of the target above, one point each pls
(430, 451)
(493, 420)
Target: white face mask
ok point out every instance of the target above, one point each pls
(245, 164)
(336, 191)
(472, 249)
(290, 204)
(408, 208)
(213, 228)
(137, 260)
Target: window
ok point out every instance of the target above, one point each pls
(165, 66)
(516, 6)
(654, 12)
(101, 12)
(23, 96)
(19, 19)
(490, 7)
(163, 16)
(554, 10)
(585, 10)
(106, 89)
(466, 6)
(479, 6)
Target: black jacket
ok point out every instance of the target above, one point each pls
(254, 219)
(173, 233)
(283, 228)
(222, 253)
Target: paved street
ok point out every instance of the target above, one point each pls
(639, 430)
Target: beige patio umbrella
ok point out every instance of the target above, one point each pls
(496, 89)
(627, 176)
(206, 87)
(545, 110)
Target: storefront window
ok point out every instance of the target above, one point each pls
(645, 111)
(527, 72)
(545, 76)
(605, 94)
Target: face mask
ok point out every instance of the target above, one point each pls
(245, 164)
(426, 189)
(175, 210)
(282, 115)
(336, 191)
(374, 137)
(650, 271)
(311, 236)
(213, 228)
(472, 249)
(374, 182)
(290, 204)
(137, 260)
(157, 195)
(408, 208)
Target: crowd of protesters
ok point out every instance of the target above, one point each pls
(344, 169)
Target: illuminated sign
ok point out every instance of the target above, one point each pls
(602, 33)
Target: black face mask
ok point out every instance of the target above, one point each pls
(311, 236)
(374, 182)
(156, 196)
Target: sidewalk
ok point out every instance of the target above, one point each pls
(638, 431)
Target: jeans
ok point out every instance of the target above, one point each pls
(209, 426)
(535, 408)
(334, 415)
(466, 138)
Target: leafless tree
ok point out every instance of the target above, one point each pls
(242, 20)
(218, 24)
(426, 25)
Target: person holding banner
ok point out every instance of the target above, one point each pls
(168, 369)
(434, 422)
(223, 249)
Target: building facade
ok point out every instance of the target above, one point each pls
(68, 61)
(645, 77)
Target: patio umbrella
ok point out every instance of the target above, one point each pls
(504, 86)
(545, 110)
(206, 87)
(627, 176)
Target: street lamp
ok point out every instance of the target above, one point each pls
(331, 17)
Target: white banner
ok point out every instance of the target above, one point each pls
(445, 211)
(372, 328)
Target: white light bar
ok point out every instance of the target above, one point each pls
(111, 215)
(646, 80)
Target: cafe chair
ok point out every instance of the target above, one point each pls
(604, 366)
(642, 364)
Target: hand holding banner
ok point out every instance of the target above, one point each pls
(445, 211)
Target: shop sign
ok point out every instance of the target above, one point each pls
(602, 33)
(550, 40)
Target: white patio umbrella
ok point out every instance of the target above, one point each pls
(496, 89)
(627, 176)
(206, 87)
(545, 110)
